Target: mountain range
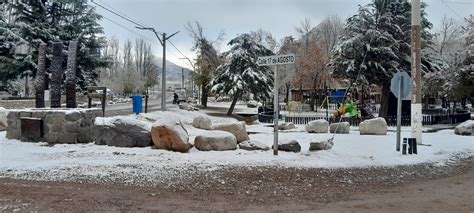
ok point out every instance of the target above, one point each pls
(174, 72)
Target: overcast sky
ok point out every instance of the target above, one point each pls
(239, 16)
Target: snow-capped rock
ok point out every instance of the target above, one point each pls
(122, 131)
(237, 129)
(3, 119)
(317, 126)
(253, 145)
(290, 146)
(322, 145)
(169, 134)
(202, 122)
(465, 128)
(340, 128)
(286, 126)
(215, 140)
(375, 126)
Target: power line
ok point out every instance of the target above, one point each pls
(128, 29)
(117, 14)
(177, 49)
(162, 42)
(452, 10)
(122, 13)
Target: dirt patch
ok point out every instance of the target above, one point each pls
(424, 188)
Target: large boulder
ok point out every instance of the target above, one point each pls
(340, 128)
(375, 126)
(253, 145)
(215, 140)
(236, 128)
(317, 126)
(286, 126)
(252, 104)
(122, 131)
(187, 107)
(202, 122)
(248, 119)
(290, 146)
(169, 134)
(3, 119)
(322, 145)
(465, 128)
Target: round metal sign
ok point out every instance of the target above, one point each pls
(406, 85)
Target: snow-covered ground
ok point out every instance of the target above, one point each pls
(90, 161)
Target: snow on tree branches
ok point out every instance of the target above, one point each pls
(241, 74)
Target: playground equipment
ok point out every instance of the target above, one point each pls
(349, 108)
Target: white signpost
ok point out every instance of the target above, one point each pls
(275, 60)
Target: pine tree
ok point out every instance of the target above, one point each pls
(79, 21)
(47, 21)
(376, 43)
(11, 64)
(241, 74)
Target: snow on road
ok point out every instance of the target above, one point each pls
(39, 161)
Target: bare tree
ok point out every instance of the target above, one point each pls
(145, 64)
(207, 58)
(449, 36)
(134, 68)
(287, 72)
(266, 39)
(312, 68)
(127, 55)
(313, 54)
(304, 31)
(328, 31)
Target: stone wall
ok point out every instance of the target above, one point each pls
(59, 125)
(24, 104)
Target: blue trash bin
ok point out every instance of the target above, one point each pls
(137, 104)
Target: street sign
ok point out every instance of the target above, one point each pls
(406, 87)
(401, 86)
(276, 60)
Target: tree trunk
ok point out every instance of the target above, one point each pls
(384, 100)
(234, 101)
(287, 93)
(312, 101)
(204, 96)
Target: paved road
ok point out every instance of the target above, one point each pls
(126, 108)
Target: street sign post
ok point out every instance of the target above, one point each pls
(401, 86)
(276, 60)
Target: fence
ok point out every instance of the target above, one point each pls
(391, 120)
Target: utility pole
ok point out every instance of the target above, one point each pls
(182, 78)
(163, 72)
(416, 116)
